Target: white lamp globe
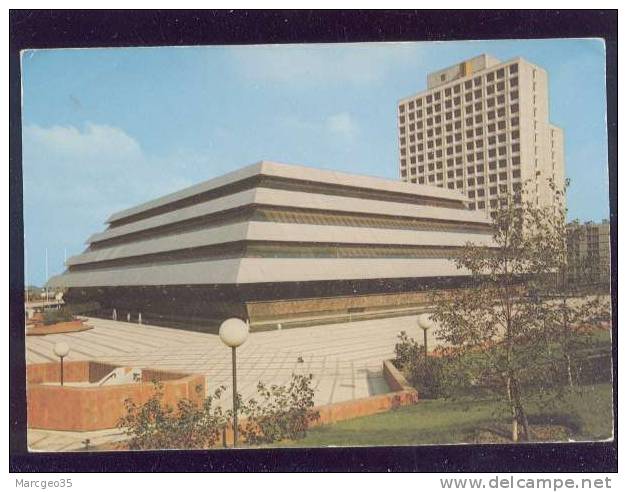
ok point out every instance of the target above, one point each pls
(61, 349)
(233, 332)
(425, 322)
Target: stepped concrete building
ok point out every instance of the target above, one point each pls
(276, 243)
(482, 127)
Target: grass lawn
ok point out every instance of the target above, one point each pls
(587, 414)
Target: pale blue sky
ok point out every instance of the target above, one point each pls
(104, 129)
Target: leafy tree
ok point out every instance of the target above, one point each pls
(497, 328)
(523, 322)
(571, 308)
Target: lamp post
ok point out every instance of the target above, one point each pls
(426, 323)
(233, 333)
(61, 349)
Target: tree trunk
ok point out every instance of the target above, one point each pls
(519, 416)
(569, 371)
(522, 417)
(513, 409)
(567, 334)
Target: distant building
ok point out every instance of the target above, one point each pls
(277, 243)
(589, 252)
(482, 127)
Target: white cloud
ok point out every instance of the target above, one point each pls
(101, 164)
(342, 124)
(95, 141)
(74, 178)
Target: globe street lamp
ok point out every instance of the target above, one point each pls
(426, 323)
(61, 349)
(233, 333)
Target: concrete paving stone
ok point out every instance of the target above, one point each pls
(345, 358)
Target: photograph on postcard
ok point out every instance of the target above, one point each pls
(311, 245)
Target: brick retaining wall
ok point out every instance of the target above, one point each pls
(75, 408)
(72, 408)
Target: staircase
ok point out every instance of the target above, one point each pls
(121, 375)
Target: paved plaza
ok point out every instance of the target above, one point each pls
(345, 358)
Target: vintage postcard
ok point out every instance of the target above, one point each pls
(313, 245)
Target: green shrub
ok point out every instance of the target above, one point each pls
(284, 412)
(428, 375)
(53, 316)
(154, 425)
(406, 351)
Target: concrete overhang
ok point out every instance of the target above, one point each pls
(295, 172)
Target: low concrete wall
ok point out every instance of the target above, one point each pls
(72, 408)
(402, 395)
(362, 407)
(395, 379)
